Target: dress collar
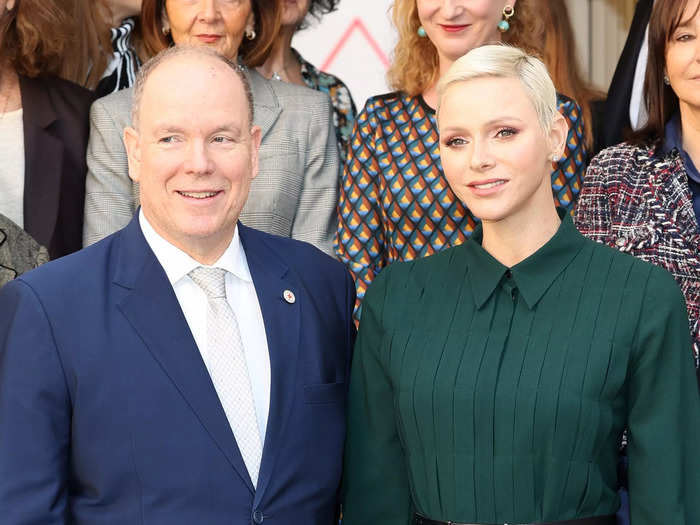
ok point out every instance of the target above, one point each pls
(177, 264)
(532, 276)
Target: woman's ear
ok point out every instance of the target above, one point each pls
(558, 133)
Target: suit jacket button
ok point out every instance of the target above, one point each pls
(258, 517)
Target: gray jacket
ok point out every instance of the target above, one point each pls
(294, 195)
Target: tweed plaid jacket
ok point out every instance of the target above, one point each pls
(637, 199)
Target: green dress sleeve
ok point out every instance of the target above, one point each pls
(663, 412)
(375, 485)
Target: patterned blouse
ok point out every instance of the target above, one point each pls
(344, 110)
(395, 203)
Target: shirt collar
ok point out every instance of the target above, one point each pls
(532, 276)
(673, 139)
(177, 264)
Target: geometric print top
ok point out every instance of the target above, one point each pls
(395, 203)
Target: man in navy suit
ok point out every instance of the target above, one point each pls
(132, 392)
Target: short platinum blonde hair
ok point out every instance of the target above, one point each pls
(503, 61)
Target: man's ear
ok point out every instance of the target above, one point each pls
(133, 152)
(255, 139)
(558, 133)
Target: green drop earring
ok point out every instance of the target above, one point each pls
(421, 32)
(508, 12)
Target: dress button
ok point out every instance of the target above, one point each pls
(258, 517)
(508, 274)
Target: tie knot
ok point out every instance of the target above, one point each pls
(211, 280)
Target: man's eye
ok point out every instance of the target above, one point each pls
(167, 140)
(219, 139)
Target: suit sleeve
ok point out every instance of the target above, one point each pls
(109, 192)
(592, 214)
(375, 485)
(35, 414)
(361, 238)
(663, 412)
(315, 218)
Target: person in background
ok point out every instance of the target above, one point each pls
(105, 31)
(395, 203)
(296, 193)
(643, 196)
(19, 252)
(43, 126)
(556, 40)
(491, 382)
(287, 65)
(625, 108)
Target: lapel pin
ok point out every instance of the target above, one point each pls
(289, 296)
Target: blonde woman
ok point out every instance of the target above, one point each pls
(395, 204)
(491, 382)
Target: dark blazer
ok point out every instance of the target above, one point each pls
(108, 414)
(617, 106)
(56, 129)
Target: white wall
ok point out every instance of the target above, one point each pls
(354, 43)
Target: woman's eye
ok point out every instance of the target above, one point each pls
(684, 37)
(455, 141)
(506, 132)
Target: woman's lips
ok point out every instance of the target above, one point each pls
(209, 39)
(453, 28)
(483, 188)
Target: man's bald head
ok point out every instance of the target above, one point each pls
(178, 52)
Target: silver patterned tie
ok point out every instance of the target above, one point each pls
(228, 369)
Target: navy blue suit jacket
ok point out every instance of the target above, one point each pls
(107, 412)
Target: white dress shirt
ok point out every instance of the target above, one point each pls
(240, 293)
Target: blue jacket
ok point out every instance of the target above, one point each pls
(107, 412)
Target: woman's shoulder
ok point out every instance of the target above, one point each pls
(627, 160)
(116, 105)
(62, 93)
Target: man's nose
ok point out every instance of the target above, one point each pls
(198, 161)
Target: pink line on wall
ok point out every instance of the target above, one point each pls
(356, 24)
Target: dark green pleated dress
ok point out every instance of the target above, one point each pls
(481, 394)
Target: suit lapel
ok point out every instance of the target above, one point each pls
(266, 107)
(43, 154)
(282, 318)
(153, 311)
